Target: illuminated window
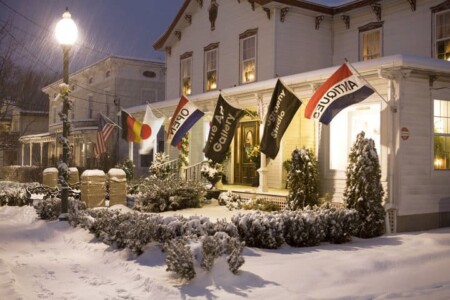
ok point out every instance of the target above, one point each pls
(345, 127)
(248, 56)
(441, 134)
(211, 67)
(443, 35)
(186, 73)
(370, 41)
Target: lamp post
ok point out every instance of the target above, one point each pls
(66, 33)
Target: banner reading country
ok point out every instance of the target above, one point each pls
(342, 89)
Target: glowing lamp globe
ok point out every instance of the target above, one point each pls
(66, 30)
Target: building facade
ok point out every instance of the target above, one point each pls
(401, 48)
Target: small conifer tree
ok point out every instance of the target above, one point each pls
(303, 180)
(363, 190)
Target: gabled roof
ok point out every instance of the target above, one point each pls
(330, 7)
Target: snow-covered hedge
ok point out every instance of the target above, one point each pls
(299, 228)
(157, 195)
(14, 193)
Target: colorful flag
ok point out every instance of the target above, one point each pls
(105, 129)
(342, 89)
(150, 128)
(221, 133)
(185, 116)
(131, 128)
(282, 108)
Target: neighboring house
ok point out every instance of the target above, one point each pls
(104, 87)
(16, 122)
(238, 48)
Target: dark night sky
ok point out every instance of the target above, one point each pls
(106, 27)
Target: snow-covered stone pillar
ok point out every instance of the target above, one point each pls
(130, 151)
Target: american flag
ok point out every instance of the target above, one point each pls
(105, 129)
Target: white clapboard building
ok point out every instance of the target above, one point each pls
(239, 48)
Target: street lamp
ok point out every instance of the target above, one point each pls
(66, 33)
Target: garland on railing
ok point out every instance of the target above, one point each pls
(184, 151)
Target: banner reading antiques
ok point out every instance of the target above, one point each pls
(283, 106)
(221, 133)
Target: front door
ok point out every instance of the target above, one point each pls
(247, 136)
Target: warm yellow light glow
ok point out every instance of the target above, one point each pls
(213, 86)
(66, 30)
(438, 163)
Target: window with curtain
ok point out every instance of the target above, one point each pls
(370, 41)
(248, 56)
(443, 35)
(441, 120)
(211, 67)
(186, 73)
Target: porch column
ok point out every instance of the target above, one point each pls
(31, 153)
(23, 155)
(130, 151)
(42, 149)
(262, 171)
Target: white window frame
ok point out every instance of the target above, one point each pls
(186, 74)
(364, 31)
(442, 39)
(441, 130)
(246, 75)
(211, 68)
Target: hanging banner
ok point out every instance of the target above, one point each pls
(221, 133)
(282, 108)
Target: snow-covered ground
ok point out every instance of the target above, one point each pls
(51, 260)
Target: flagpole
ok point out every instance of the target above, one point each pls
(392, 107)
(115, 124)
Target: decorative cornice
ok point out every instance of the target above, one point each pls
(376, 8)
(200, 2)
(319, 20)
(248, 33)
(283, 13)
(188, 18)
(440, 7)
(267, 10)
(168, 50)
(178, 34)
(346, 19)
(252, 3)
(186, 55)
(211, 46)
(412, 3)
(371, 26)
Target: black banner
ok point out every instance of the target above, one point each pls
(283, 106)
(222, 129)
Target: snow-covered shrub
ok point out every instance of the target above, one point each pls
(49, 209)
(169, 228)
(171, 193)
(231, 200)
(363, 190)
(197, 226)
(220, 244)
(179, 258)
(303, 228)
(75, 209)
(160, 168)
(212, 172)
(261, 205)
(14, 194)
(340, 223)
(303, 179)
(128, 167)
(259, 229)
(223, 225)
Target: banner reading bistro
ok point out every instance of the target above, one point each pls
(282, 108)
(342, 89)
(222, 129)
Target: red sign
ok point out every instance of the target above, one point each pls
(404, 133)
